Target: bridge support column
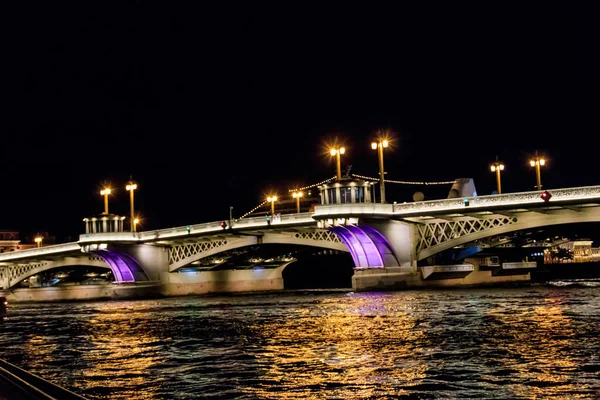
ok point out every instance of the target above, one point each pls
(393, 278)
(399, 267)
(153, 259)
(402, 239)
(223, 281)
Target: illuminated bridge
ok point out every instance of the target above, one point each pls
(390, 244)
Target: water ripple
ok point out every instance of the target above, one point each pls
(528, 343)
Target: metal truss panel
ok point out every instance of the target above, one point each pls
(318, 235)
(435, 233)
(183, 251)
(439, 237)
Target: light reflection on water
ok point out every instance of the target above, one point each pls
(512, 343)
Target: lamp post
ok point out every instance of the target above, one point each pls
(497, 167)
(297, 196)
(105, 192)
(536, 162)
(136, 221)
(379, 146)
(131, 187)
(272, 200)
(38, 241)
(338, 152)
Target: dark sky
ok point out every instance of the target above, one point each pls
(212, 107)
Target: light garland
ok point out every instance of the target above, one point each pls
(289, 191)
(254, 209)
(312, 186)
(354, 175)
(405, 182)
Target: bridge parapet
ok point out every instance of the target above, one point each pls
(207, 227)
(40, 251)
(579, 194)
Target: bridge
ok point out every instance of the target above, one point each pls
(392, 245)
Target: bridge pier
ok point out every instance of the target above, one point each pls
(153, 259)
(222, 281)
(399, 269)
(390, 278)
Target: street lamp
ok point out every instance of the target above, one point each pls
(135, 222)
(272, 200)
(497, 167)
(105, 192)
(537, 162)
(297, 196)
(131, 187)
(38, 241)
(379, 146)
(338, 152)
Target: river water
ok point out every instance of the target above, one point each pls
(536, 342)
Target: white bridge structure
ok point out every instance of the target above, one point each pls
(388, 242)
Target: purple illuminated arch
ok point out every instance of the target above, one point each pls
(367, 246)
(124, 267)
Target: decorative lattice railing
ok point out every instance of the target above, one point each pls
(435, 233)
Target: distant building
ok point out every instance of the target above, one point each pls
(581, 251)
(10, 241)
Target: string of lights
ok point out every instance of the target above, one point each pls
(312, 186)
(404, 182)
(354, 175)
(254, 209)
(290, 191)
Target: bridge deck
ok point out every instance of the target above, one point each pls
(475, 206)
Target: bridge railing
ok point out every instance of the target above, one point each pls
(284, 219)
(207, 227)
(455, 204)
(37, 251)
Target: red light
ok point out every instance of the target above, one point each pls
(546, 195)
(223, 224)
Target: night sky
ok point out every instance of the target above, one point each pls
(211, 107)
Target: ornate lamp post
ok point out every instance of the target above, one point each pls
(338, 152)
(272, 200)
(497, 167)
(105, 192)
(297, 196)
(536, 162)
(131, 187)
(379, 146)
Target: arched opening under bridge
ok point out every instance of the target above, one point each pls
(320, 269)
(68, 276)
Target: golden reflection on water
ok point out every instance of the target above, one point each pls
(116, 347)
(363, 347)
(107, 345)
(42, 348)
(121, 352)
(535, 340)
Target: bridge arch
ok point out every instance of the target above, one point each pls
(16, 273)
(186, 253)
(528, 220)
